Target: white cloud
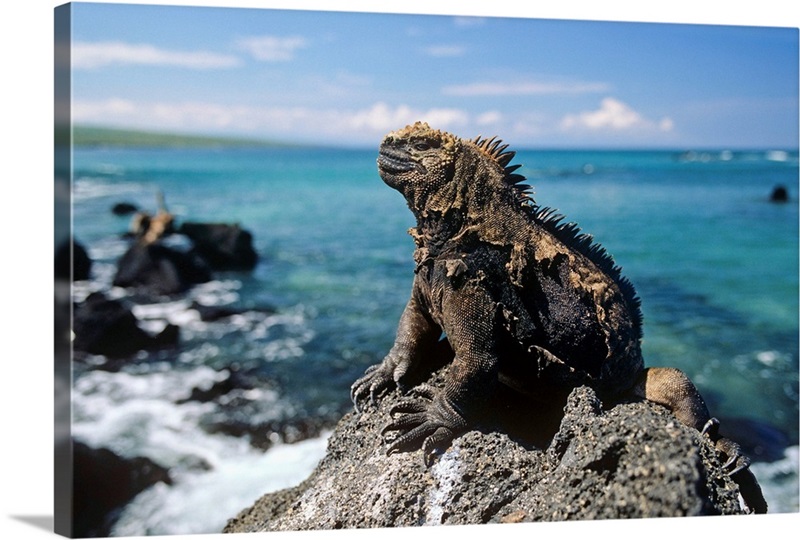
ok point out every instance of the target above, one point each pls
(272, 48)
(613, 115)
(182, 116)
(446, 51)
(468, 21)
(666, 124)
(523, 88)
(382, 118)
(367, 124)
(489, 118)
(96, 111)
(100, 54)
(304, 122)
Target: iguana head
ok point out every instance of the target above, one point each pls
(417, 160)
(437, 171)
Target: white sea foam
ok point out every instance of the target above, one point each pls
(777, 155)
(110, 169)
(199, 503)
(268, 336)
(214, 476)
(771, 358)
(217, 292)
(87, 187)
(137, 415)
(779, 481)
(107, 249)
(153, 317)
(140, 412)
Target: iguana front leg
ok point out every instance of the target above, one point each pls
(416, 339)
(433, 418)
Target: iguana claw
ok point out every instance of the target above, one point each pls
(375, 380)
(711, 428)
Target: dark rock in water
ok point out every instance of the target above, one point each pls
(215, 313)
(74, 253)
(263, 435)
(160, 270)
(238, 415)
(107, 327)
(779, 194)
(124, 209)
(634, 460)
(222, 246)
(103, 484)
(234, 381)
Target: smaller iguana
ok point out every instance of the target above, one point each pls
(525, 301)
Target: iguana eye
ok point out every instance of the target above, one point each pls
(422, 146)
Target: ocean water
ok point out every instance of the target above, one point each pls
(715, 263)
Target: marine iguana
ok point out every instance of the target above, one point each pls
(525, 301)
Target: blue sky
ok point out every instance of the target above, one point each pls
(348, 78)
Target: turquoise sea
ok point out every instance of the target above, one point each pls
(714, 261)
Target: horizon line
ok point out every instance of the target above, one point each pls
(197, 138)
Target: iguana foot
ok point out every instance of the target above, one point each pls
(737, 466)
(375, 380)
(736, 461)
(428, 421)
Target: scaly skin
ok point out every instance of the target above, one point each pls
(525, 302)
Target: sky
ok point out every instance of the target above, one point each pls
(349, 78)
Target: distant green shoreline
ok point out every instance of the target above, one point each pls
(89, 136)
(84, 136)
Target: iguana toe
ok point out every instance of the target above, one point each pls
(711, 428)
(434, 436)
(409, 406)
(736, 460)
(435, 443)
(404, 422)
(425, 391)
(375, 380)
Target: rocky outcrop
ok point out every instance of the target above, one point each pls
(223, 246)
(108, 327)
(72, 261)
(160, 270)
(104, 483)
(779, 194)
(154, 268)
(633, 460)
(124, 209)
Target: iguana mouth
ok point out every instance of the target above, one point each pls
(392, 161)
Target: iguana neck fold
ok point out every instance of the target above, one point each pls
(468, 205)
